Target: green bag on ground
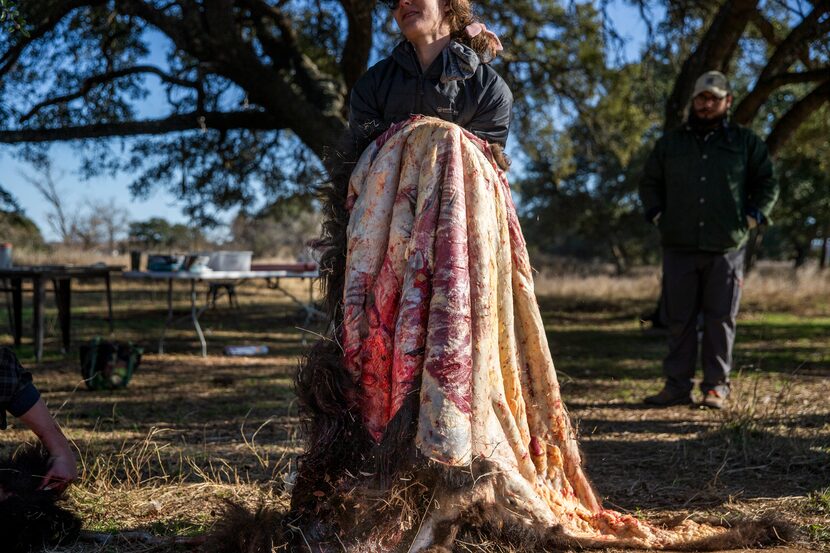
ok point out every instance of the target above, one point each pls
(108, 365)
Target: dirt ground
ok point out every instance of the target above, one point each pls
(161, 456)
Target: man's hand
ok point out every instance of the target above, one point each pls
(754, 217)
(62, 468)
(656, 218)
(62, 471)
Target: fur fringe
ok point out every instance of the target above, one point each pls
(741, 534)
(240, 530)
(744, 533)
(338, 446)
(31, 519)
(334, 433)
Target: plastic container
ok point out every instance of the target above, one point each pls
(245, 351)
(164, 263)
(230, 261)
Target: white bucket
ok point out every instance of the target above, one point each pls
(230, 261)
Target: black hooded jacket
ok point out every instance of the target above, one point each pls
(456, 87)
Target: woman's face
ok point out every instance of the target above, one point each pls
(419, 19)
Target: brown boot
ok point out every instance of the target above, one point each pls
(667, 398)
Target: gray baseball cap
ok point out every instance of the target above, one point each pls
(714, 82)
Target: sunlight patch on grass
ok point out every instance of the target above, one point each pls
(819, 532)
(819, 501)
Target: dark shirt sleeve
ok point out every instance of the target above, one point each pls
(492, 119)
(365, 116)
(17, 392)
(761, 184)
(653, 183)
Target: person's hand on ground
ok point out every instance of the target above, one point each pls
(63, 470)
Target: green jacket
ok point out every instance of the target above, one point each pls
(705, 189)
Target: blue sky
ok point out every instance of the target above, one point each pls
(79, 192)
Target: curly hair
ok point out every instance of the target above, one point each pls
(460, 14)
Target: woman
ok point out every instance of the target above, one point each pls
(440, 70)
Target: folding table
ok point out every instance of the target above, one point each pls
(61, 277)
(270, 276)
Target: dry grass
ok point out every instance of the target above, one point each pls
(771, 285)
(776, 287)
(69, 255)
(161, 456)
(638, 286)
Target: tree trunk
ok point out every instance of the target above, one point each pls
(620, 258)
(786, 125)
(774, 74)
(801, 254)
(715, 51)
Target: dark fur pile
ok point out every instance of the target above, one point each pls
(334, 433)
(240, 530)
(31, 519)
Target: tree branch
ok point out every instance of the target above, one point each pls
(714, 51)
(48, 23)
(802, 77)
(358, 41)
(790, 121)
(174, 28)
(812, 26)
(306, 100)
(316, 87)
(88, 83)
(765, 27)
(273, 48)
(255, 120)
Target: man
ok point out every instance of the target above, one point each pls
(19, 397)
(706, 184)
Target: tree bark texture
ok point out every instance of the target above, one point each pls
(798, 113)
(787, 51)
(714, 52)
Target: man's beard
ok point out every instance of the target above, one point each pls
(697, 122)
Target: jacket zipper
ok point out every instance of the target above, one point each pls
(419, 99)
(419, 102)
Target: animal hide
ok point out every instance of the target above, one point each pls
(438, 303)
